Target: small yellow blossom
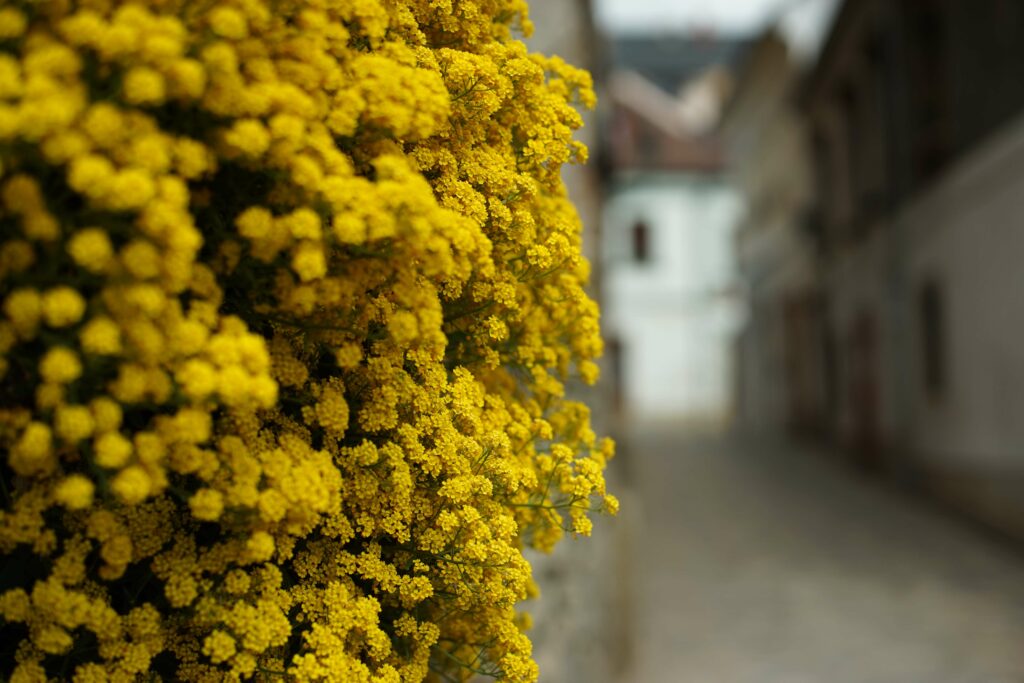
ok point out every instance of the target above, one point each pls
(228, 23)
(207, 504)
(91, 175)
(60, 365)
(73, 423)
(219, 647)
(132, 485)
(249, 136)
(106, 413)
(260, 547)
(144, 86)
(24, 308)
(12, 23)
(62, 306)
(32, 453)
(112, 450)
(91, 249)
(308, 262)
(131, 188)
(74, 492)
(101, 336)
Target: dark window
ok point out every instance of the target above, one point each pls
(933, 338)
(852, 104)
(824, 189)
(641, 242)
(929, 86)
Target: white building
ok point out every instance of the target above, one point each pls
(669, 301)
(670, 305)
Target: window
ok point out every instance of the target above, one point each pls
(933, 338)
(929, 81)
(824, 191)
(641, 242)
(852, 105)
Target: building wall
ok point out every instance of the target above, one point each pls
(919, 151)
(674, 313)
(966, 236)
(769, 158)
(578, 634)
(868, 370)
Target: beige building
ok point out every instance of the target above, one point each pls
(579, 634)
(670, 301)
(914, 121)
(770, 161)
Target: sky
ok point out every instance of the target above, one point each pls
(802, 21)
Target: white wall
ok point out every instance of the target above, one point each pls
(968, 234)
(675, 315)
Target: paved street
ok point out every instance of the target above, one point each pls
(751, 562)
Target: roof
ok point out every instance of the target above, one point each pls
(670, 60)
(652, 131)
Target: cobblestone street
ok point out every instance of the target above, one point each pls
(754, 562)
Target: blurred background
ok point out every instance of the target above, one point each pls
(807, 223)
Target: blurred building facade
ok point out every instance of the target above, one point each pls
(579, 633)
(896, 329)
(669, 305)
(770, 161)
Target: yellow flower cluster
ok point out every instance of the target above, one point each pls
(289, 294)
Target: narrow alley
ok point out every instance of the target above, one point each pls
(758, 562)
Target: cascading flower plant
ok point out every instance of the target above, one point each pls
(289, 294)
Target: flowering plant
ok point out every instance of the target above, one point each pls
(290, 292)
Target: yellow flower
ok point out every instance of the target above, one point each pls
(40, 225)
(260, 547)
(112, 450)
(21, 194)
(132, 485)
(73, 423)
(104, 124)
(12, 23)
(91, 175)
(24, 308)
(32, 453)
(91, 249)
(207, 505)
(228, 23)
(132, 188)
(304, 224)
(249, 137)
(219, 647)
(308, 261)
(49, 396)
(16, 256)
(60, 365)
(254, 223)
(141, 258)
(332, 411)
(186, 79)
(101, 336)
(144, 86)
(62, 306)
(53, 640)
(74, 492)
(198, 379)
(106, 413)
